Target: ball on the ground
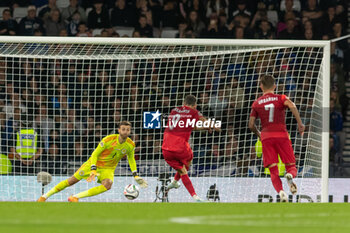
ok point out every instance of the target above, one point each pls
(131, 191)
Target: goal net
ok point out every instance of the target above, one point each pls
(67, 94)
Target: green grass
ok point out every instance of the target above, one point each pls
(174, 217)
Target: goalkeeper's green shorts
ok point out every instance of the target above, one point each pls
(103, 173)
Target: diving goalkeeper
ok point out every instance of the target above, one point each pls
(101, 165)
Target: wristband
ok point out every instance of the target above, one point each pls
(93, 167)
(134, 174)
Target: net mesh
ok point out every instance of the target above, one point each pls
(73, 95)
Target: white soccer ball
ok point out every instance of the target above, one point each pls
(131, 191)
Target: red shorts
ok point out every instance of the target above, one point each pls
(177, 160)
(273, 147)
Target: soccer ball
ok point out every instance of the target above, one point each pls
(131, 191)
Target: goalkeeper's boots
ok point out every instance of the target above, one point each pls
(283, 196)
(73, 199)
(198, 199)
(41, 199)
(173, 185)
(292, 186)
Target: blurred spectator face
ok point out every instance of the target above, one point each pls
(311, 4)
(76, 17)
(241, 6)
(337, 28)
(331, 11)
(290, 25)
(63, 32)
(82, 28)
(73, 3)
(104, 33)
(6, 15)
(136, 34)
(98, 6)
(52, 2)
(193, 16)
(289, 5)
(264, 26)
(55, 15)
(143, 21)
(222, 19)
(339, 9)
(120, 4)
(53, 150)
(308, 34)
(31, 14)
(239, 33)
(308, 25)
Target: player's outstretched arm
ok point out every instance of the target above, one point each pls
(290, 104)
(132, 163)
(94, 156)
(252, 126)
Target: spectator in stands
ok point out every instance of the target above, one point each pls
(312, 11)
(26, 150)
(241, 9)
(204, 105)
(122, 15)
(45, 11)
(336, 126)
(69, 12)
(219, 102)
(73, 24)
(53, 162)
(329, 20)
(68, 139)
(143, 8)
(170, 15)
(53, 24)
(80, 153)
(8, 26)
(264, 31)
(288, 7)
(195, 23)
(83, 31)
(144, 29)
(99, 16)
(44, 124)
(216, 7)
(291, 32)
(136, 34)
(30, 23)
(212, 31)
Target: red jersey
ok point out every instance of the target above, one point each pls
(180, 124)
(270, 109)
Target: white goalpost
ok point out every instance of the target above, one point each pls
(66, 94)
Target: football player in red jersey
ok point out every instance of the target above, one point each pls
(270, 108)
(176, 149)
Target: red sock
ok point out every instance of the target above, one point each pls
(177, 176)
(292, 170)
(276, 181)
(188, 184)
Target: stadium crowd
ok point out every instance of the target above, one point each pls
(73, 104)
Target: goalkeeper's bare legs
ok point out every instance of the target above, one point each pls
(59, 187)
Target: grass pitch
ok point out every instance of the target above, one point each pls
(174, 217)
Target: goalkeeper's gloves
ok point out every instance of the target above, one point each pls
(140, 181)
(93, 174)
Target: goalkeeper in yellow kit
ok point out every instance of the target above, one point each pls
(101, 165)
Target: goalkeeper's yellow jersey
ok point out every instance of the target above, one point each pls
(109, 152)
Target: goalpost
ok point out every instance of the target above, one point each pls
(68, 93)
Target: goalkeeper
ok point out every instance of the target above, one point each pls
(101, 165)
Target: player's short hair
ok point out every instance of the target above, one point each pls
(127, 123)
(267, 81)
(190, 100)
